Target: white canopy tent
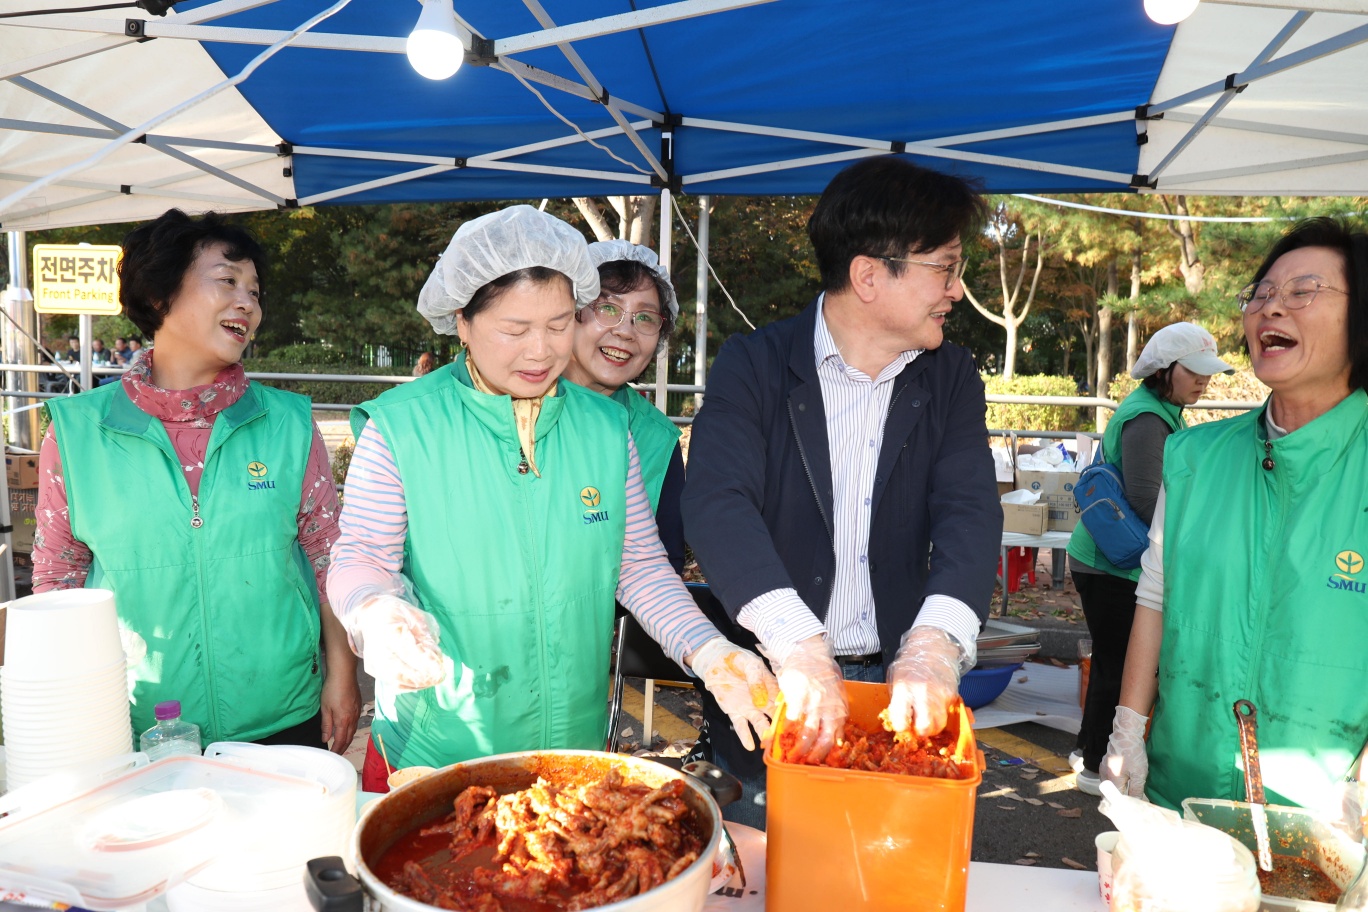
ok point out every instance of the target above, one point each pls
(705, 96)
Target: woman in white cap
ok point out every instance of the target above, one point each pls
(616, 336)
(492, 516)
(1254, 586)
(1175, 367)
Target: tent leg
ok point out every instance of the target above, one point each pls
(663, 356)
(701, 303)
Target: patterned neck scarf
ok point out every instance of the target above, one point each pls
(525, 412)
(196, 406)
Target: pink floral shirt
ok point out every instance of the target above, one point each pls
(62, 562)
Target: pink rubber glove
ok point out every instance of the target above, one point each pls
(398, 643)
(814, 697)
(1126, 765)
(923, 680)
(742, 685)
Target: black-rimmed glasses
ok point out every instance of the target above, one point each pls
(952, 271)
(1295, 293)
(608, 315)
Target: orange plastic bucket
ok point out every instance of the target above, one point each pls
(850, 840)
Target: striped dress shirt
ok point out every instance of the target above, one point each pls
(856, 407)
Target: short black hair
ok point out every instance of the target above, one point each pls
(1351, 242)
(888, 206)
(1161, 382)
(623, 276)
(157, 255)
(490, 292)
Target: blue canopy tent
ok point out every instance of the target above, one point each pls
(594, 97)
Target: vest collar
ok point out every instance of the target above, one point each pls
(1311, 452)
(496, 412)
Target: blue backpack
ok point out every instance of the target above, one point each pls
(1118, 532)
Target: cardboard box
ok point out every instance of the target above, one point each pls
(1056, 492)
(23, 507)
(21, 469)
(1029, 519)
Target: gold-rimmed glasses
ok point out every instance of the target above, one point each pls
(1295, 293)
(609, 314)
(952, 271)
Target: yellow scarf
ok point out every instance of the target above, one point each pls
(525, 412)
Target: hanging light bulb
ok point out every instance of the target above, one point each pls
(1165, 12)
(434, 49)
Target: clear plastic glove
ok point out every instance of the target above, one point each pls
(742, 685)
(1126, 765)
(814, 697)
(398, 643)
(923, 680)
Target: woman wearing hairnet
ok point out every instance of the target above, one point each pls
(492, 515)
(616, 335)
(1175, 366)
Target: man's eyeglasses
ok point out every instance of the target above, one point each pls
(608, 315)
(1295, 293)
(952, 271)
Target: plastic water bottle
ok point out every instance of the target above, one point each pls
(171, 736)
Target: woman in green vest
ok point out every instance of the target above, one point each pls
(204, 501)
(1254, 585)
(616, 336)
(495, 512)
(1175, 367)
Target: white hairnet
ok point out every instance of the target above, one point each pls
(601, 252)
(496, 244)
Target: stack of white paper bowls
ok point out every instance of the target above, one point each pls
(266, 871)
(64, 686)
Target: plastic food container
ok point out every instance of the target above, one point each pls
(851, 840)
(117, 843)
(1291, 831)
(981, 686)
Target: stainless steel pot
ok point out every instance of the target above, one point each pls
(332, 889)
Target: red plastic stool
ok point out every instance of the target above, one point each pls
(1020, 561)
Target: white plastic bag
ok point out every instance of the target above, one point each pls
(1163, 863)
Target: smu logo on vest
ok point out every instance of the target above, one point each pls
(589, 496)
(257, 471)
(1349, 564)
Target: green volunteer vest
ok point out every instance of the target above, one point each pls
(519, 571)
(1141, 401)
(1265, 599)
(229, 610)
(655, 435)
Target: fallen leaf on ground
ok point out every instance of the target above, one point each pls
(1005, 807)
(627, 732)
(1025, 861)
(1031, 854)
(1057, 807)
(1056, 663)
(1014, 796)
(1070, 812)
(1073, 864)
(1035, 802)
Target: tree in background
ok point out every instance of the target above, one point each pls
(1008, 237)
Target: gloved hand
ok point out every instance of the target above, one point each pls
(923, 680)
(741, 683)
(398, 643)
(1126, 765)
(814, 697)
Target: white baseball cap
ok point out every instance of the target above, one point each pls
(1188, 344)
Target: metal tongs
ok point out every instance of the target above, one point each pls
(1247, 717)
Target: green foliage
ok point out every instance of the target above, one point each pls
(311, 355)
(1034, 417)
(341, 462)
(325, 390)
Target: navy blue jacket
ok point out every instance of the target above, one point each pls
(758, 498)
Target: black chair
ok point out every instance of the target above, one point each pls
(639, 656)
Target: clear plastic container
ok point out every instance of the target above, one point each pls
(172, 736)
(1221, 878)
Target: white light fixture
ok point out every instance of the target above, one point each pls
(1164, 12)
(434, 49)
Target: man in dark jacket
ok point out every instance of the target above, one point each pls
(841, 497)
